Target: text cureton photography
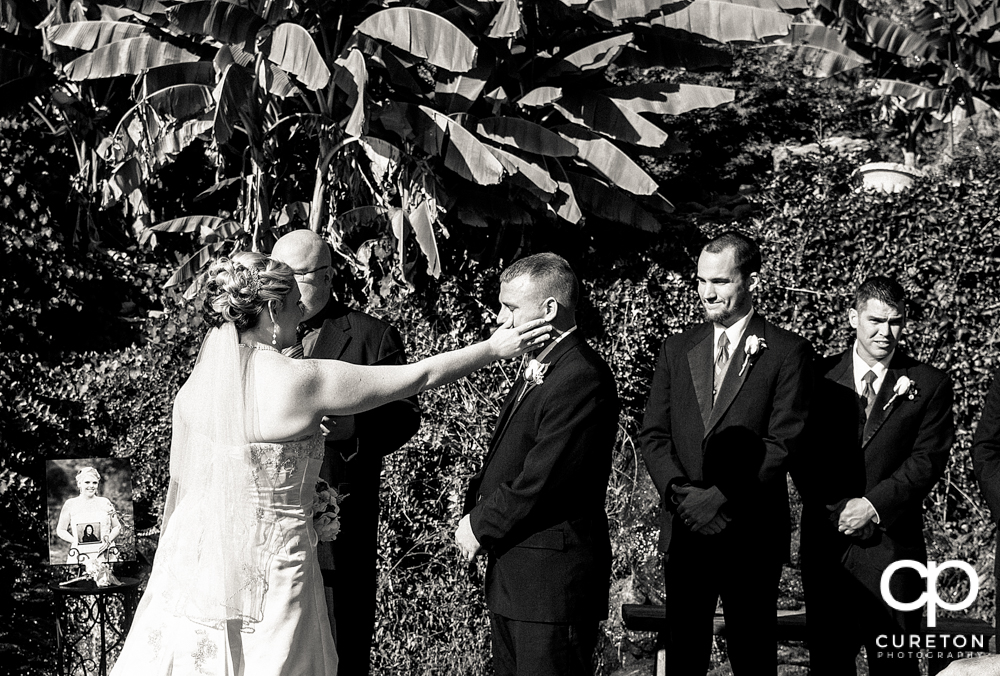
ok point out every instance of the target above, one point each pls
(931, 646)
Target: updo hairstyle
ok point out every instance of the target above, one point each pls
(241, 286)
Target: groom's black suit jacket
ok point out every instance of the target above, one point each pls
(743, 442)
(893, 459)
(537, 504)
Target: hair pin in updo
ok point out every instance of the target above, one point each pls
(253, 284)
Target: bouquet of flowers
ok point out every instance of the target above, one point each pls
(98, 571)
(326, 511)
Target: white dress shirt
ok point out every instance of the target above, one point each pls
(861, 369)
(734, 333)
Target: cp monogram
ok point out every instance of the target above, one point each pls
(930, 597)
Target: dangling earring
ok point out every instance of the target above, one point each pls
(274, 324)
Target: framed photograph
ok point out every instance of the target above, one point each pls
(90, 514)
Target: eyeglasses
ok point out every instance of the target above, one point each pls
(309, 272)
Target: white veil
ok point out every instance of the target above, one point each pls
(212, 542)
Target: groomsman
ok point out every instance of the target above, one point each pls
(726, 411)
(536, 508)
(986, 466)
(880, 433)
(355, 445)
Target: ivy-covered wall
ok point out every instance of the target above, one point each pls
(821, 236)
(85, 370)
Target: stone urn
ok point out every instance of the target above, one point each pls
(888, 177)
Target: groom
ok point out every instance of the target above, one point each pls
(355, 444)
(536, 508)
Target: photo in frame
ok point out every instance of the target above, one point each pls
(89, 510)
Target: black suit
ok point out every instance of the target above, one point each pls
(537, 504)
(986, 464)
(741, 444)
(893, 458)
(355, 465)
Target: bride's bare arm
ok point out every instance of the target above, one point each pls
(339, 388)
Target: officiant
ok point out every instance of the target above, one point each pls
(355, 445)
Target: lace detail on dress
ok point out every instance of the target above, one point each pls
(284, 457)
(205, 650)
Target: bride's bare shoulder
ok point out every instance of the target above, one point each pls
(284, 373)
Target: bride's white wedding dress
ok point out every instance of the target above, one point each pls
(240, 595)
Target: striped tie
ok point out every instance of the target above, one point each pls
(868, 393)
(723, 358)
(295, 351)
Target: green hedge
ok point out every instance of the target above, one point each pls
(821, 236)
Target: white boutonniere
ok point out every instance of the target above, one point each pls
(752, 346)
(535, 372)
(904, 387)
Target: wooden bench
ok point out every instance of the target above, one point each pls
(792, 627)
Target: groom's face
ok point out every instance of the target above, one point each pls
(521, 301)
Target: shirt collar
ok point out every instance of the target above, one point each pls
(734, 332)
(861, 367)
(548, 348)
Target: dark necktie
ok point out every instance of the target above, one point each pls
(721, 361)
(868, 393)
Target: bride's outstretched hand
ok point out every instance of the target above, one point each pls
(509, 341)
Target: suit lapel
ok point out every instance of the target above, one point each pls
(505, 413)
(512, 402)
(879, 412)
(700, 364)
(736, 375)
(330, 341)
(843, 372)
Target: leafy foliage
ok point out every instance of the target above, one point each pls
(824, 235)
(821, 237)
(934, 67)
(84, 373)
(379, 106)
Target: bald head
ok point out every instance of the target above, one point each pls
(302, 250)
(308, 255)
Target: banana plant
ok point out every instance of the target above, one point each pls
(386, 125)
(938, 72)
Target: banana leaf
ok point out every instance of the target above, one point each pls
(424, 34)
(127, 57)
(669, 98)
(293, 50)
(525, 135)
(727, 22)
(610, 117)
(610, 204)
(609, 160)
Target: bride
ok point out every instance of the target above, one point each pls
(235, 588)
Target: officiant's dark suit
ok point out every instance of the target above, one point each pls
(863, 484)
(537, 505)
(355, 445)
(733, 449)
(354, 464)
